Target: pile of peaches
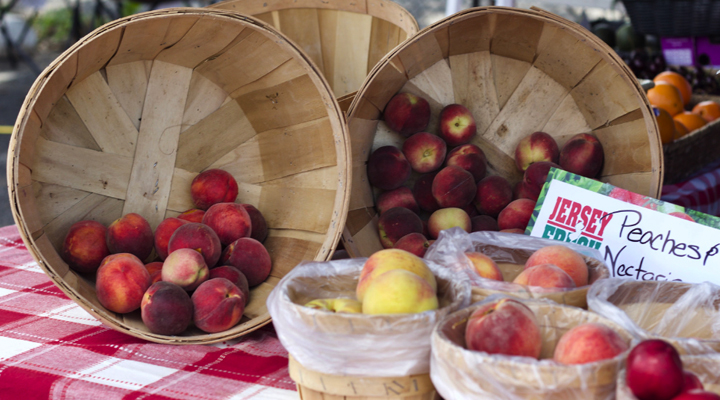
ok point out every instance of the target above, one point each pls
(450, 180)
(214, 252)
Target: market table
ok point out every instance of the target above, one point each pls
(50, 348)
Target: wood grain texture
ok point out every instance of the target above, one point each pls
(566, 121)
(287, 71)
(384, 36)
(301, 25)
(516, 38)
(180, 199)
(94, 55)
(352, 47)
(553, 58)
(64, 125)
(625, 151)
(640, 182)
(471, 35)
(321, 178)
(55, 87)
(389, 81)
(128, 83)
(507, 74)
(593, 101)
(53, 199)
(203, 98)
(94, 207)
(474, 86)
(297, 208)
(143, 41)
(421, 54)
(285, 253)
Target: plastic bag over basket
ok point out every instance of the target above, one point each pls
(356, 344)
(688, 316)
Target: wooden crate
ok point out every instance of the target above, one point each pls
(344, 38)
(124, 119)
(518, 71)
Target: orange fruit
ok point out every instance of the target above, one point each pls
(666, 124)
(709, 110)
(680, 130)
(678, 81)
(667, 97)
(690, 120)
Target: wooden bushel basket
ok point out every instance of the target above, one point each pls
(518, 71)
(706, 367)
(344, 38)
(123, 120)
(523, 377)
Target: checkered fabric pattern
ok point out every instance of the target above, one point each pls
(50, 348)
(700, 193)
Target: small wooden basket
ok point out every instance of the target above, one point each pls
(502, 377)
(344, 38)
(124, 120)
(706, 367)
(518, 71)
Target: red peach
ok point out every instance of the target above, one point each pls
(192, 215)
(121, 284)
(218, 305)
(691, 382)
(682, 215)
(424, 151)
(400, 197)
(588, 343)
(414, 243)
(536, 174)
(396, 223)
(546, 276)
(483, 223)
(484, 266)
(564, 258)
(387, 168)
(504, 327)
(163, 233)
(422, 191)
(233, 275)
(539, 146)
(524, 191)
(130, 234)
(258, 223)
(654, 370)
(213, 186)
(446, 218)
(85, 246)
(198, 237)
(582, 155)
(518, 231)
(627, 196)
(697, 394)
(516, 215)
(250, 257)
(493, 194)
(155, 271)
(406, 114)
(457, 125)
(166, 309)
(470, 158)
(230, 221)
(470, 210)
(453, 187)
(185, 268)
(112, 257)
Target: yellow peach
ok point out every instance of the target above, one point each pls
(390, 259)
(399, 292)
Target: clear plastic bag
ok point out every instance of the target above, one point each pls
(356, 344)
(458, 373)
(688, 316)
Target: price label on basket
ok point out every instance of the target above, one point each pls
(639, 237)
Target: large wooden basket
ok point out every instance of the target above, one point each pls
(123, 121)
(518, 71)
(344, 38)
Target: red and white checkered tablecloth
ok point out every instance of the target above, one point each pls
(50, 348)
(700, 193)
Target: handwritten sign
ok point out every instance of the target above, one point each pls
(637, 242)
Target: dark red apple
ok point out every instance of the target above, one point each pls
(654, 370)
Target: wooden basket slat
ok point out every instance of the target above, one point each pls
(128, 82)
(472, 81)
(296, 208)
(26, 149)
(92, 207)
(360, 199)
(597, 109)
(287, 71)
(103, 115)
(64, 125)
(253, 7)
(320, 178)
(26, 203)
(203, 98)
(213, 138)
(640, 181)
(284, 252)
(351, 55)
(390, 80)
(507, 73)
(567, 121)
(94, 55)
(296, 234)
(384, 36)
(55, 85)
(93, 171)
(619, 139)
(303, 26)
(436, 83)
(140, 43)
(516, 38)
(425, 53)
(471, 35)
(180, 199)
(151, 177)
(552, 56)
(328, 20)
(362, 143)
(56, 199)
(207, 37)
(267, 17)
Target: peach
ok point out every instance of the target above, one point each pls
(493, 194)
(516, 215)
(192, 215)
(453, 187)
(588, 343)
(400, 197)
(198, 237)
(546, 276)
(155, 271)
(654, 370)
(166, 309)
(163, 233)
(336, 305)
(185, 268)
(258, 223)
(484, 266)
(524, 191)
(582, 155)
(691, 382)
(563, 257)
(396, 223)
(470, 158)
(130, 234)
(213, 186)
(229, 220)
(446, 218)
(389, 259)
(113, 257)
(414, 243)
(457, 125)
(218, 305)
(85, 246)
(424, 151)
(406, 114)
(422, 191)
(483, 223)
(536, 174)
(514, 230)
(121, 284)
(387, 168)
(233, 275)
(539, 146)
(504, 327)
(628, 196)
(399, 292)
(682, 215)
(697, 394)
(470, 210)
(250, 257)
